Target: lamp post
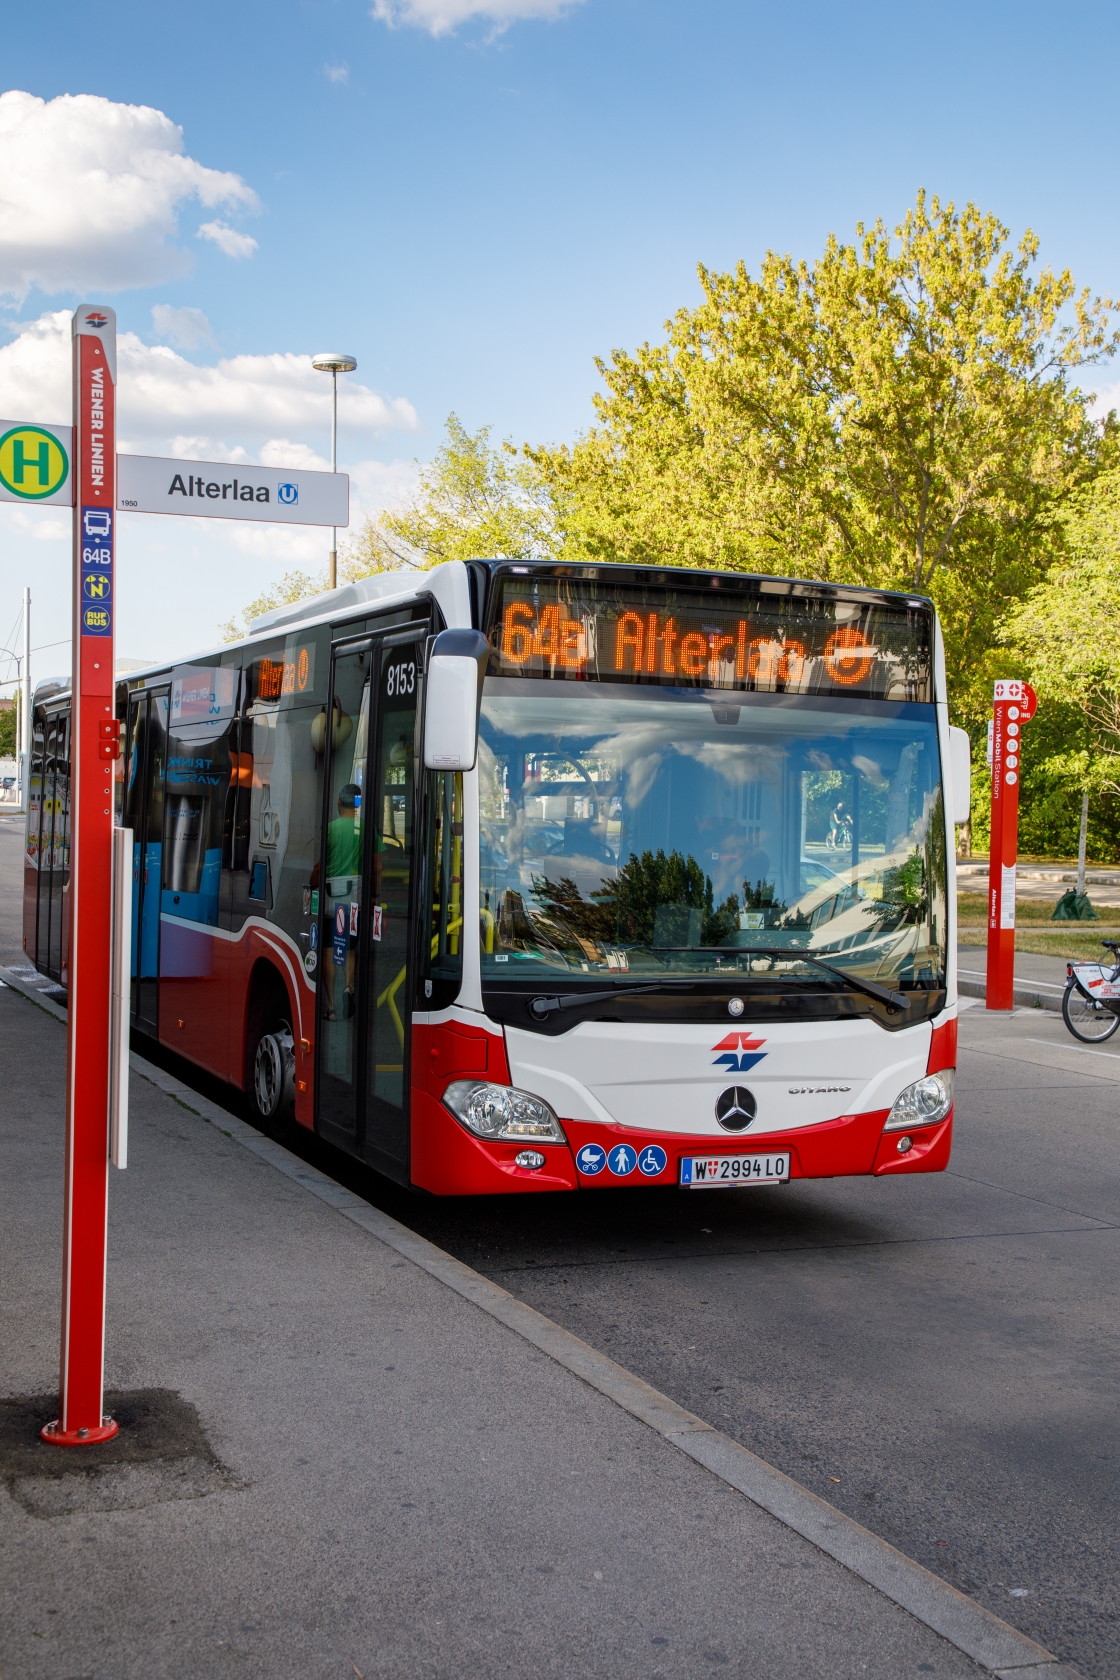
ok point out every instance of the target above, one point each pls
(334, 362)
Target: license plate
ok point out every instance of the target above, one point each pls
(724, 1172)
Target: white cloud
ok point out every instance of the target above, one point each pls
(91, 191)
(228, 239)
(440, 17)
(240, 404)
(1106, 399)
(339, 73)
(42, 526)
(378, 484)
(281, 543)
(188, 328)
(280, 452)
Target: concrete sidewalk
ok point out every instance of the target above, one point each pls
(331, 1463)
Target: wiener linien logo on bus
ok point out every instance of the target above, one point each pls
(739, 1052)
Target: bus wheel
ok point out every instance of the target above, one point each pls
(274, 1074)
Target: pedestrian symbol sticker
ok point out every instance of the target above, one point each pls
(33, 464)
(652, 1161)
(591, 1159)
(622, 1160)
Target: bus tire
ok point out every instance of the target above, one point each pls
(273, 1089)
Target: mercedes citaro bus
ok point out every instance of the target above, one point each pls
(516, 877)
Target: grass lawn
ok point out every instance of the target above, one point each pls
(1035, 933)
(972, 909)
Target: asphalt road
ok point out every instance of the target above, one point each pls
(936, 1356)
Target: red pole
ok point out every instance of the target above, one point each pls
(93, 746)
(1014, 705)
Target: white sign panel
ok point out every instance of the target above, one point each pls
(220, 490)
(36, 463)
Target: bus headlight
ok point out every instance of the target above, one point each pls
(924, 1103)
(502, 1112)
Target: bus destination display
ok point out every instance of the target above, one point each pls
(579, 629)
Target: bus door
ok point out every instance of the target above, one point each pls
(143, 812)
(364, 905)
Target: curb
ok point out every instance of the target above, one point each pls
(989, 1641)
(1026, 996)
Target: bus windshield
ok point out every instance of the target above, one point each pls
(630, 834)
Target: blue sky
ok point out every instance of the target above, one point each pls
(477, 205)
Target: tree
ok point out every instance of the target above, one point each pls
(9, 747)
(293, 586)
(471, 502)
(899, 413)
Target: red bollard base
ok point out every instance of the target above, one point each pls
(104, 1431)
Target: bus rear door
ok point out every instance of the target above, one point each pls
(365, 903)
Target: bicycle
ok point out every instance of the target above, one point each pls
(1091, 1000)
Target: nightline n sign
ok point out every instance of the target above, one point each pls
(220, 490)
(35, 468)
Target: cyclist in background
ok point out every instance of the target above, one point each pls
(838, 834)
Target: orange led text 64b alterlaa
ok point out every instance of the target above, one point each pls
(649, 644)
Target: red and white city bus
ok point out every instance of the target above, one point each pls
(540, 877)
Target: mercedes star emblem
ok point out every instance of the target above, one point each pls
(735, 1108)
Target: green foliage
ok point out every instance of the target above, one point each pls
(8, 719)
(471, 502)
(905, 899)
(899, 413)
(293, 586)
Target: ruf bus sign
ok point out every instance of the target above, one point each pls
(1014, 705)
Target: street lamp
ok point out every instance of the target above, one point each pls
(334, 362)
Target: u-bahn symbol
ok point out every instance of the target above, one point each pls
(33, 463)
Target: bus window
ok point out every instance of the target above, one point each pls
(47, 832)
(199, 763)
(60, 850)
(441, 964)
(32, 857)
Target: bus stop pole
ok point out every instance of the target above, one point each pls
(1013, 705)
(23, 745)
(94, 744)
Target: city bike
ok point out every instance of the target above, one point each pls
(1091, 1001)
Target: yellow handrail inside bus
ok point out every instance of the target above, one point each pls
(389, 995)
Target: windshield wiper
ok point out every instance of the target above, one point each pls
(897, 1000)
(539, 1007)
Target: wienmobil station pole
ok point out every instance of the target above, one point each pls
(94, 746)
(1013, 705)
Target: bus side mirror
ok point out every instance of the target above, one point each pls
(453, 699)
(960, 775)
